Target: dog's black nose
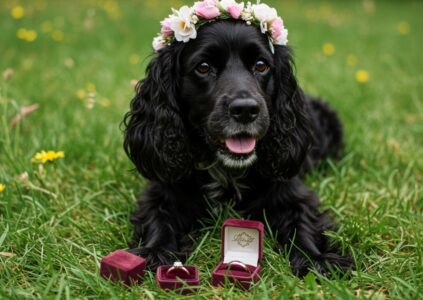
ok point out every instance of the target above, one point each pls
(244, 110)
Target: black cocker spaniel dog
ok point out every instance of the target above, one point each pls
(221, 119)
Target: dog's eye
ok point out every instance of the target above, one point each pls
(261, 66)
(203, 68)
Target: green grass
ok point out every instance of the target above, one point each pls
(61, 221)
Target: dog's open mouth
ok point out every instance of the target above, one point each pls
(241, 144)
(238, 145)
(238, 151)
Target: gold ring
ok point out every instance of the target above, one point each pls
(238, 264)
(177, 265)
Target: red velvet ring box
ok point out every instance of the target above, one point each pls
(122, 266)
(178, 279)
(242, 242)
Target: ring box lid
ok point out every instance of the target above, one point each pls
(242, 240)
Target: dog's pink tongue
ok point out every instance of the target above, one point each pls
(241, 145)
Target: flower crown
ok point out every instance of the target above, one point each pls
(182, 25)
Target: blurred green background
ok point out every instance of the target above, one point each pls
(79, 60)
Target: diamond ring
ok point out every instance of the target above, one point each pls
(177, 265)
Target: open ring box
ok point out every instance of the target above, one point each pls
(242, 243)
(178, 279)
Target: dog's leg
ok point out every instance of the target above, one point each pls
(310, 248)
(292, 213)
(163, 225)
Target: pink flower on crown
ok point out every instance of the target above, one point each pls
(282, 39)
(232, 7)
(207, 9)
(166, 30)
(276, 28)
(279, 33)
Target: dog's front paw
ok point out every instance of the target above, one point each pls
(154, 257)
(338, 263)
(327, 264)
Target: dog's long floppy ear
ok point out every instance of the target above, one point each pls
(155, 136)
(285, 146)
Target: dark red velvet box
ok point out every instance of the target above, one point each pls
(122, 266)
(242, 240)
(178, 280)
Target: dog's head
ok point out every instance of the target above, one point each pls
(223, 96)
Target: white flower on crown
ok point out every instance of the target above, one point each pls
(183, 24)
(265, 15)
(159, 43)
(247, 13)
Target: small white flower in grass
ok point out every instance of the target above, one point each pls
(8, 73)
(183, 25)
(23, 178)
(265, 15)
(159, 43)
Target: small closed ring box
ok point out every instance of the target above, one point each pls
(123, 266)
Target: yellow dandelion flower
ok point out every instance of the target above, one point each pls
(351, 60)
(46, 26)
(21, 33)
(80, 94)
(31, 35)
(105, 102)
(403, 27)
(90, 87)
(57, 35)
(26, 34)
(17, 12)
(328, 49)
(362, 76)
(2, 187)
(45, 156)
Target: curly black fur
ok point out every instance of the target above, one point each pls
(174, 132)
